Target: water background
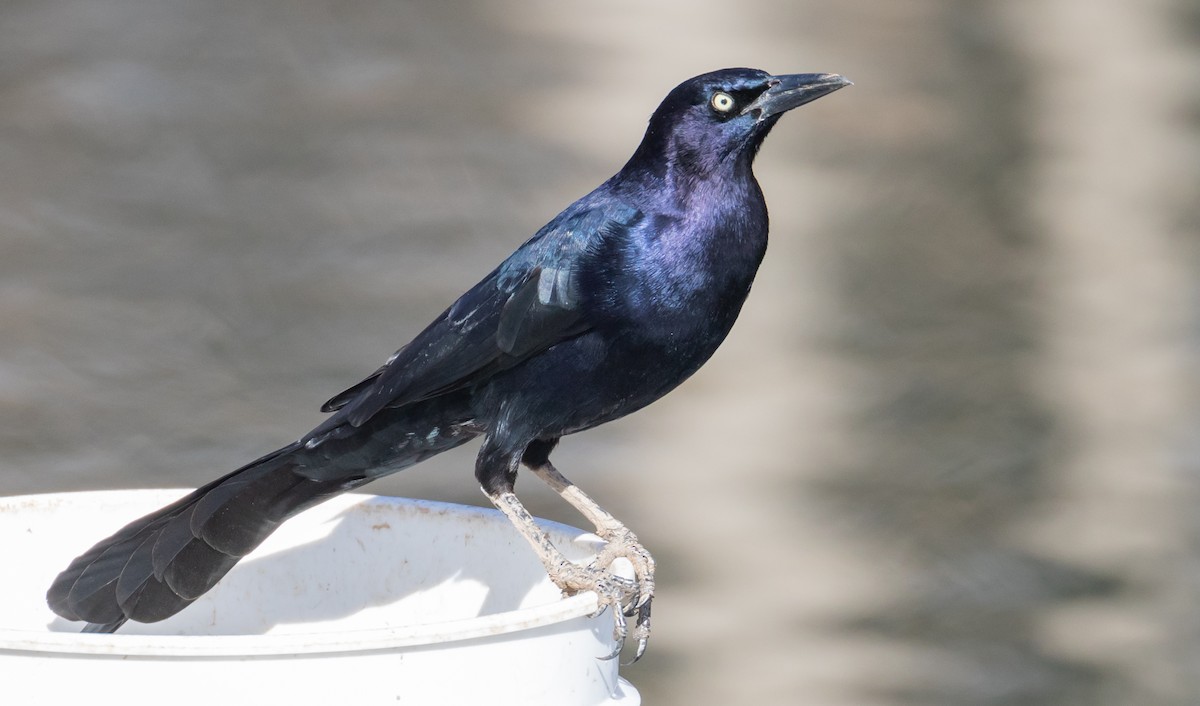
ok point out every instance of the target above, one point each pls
(950, 453)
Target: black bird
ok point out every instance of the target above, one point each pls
(608, 307)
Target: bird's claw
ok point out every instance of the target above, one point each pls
(627, 597)
(621, 543)
(641, 630)
(620, 629)
(621, 632)
(643, 600)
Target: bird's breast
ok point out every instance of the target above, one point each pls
(683, 288)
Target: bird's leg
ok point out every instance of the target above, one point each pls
(620, 542)
(612, 590)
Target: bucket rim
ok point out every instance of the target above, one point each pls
(296, 643)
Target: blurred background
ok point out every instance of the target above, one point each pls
(950, 453)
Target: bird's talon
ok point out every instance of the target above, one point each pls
(620, 629)
(639, 593)
(641, 650)
(641, 631)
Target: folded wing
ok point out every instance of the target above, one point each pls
(529, 303)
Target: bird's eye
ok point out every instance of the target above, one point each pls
(722, 102)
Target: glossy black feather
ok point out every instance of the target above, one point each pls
(608, 307)
(527, 304)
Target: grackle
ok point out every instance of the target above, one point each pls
(608, 307)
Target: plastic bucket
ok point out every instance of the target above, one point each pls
(360, 600)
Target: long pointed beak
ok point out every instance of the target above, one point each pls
(794, 90)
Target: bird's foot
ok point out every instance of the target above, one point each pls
(628, 597)
(623, 544)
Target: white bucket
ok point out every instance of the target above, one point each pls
(360, 600)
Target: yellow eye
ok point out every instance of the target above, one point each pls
(722, 102)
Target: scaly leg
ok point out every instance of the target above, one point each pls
(612, 590)
(620, 542)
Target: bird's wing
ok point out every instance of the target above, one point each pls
(527, 304)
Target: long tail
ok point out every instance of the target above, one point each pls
(156, 566)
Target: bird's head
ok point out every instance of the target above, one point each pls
(725, 114)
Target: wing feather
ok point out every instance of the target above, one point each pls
(529, 303)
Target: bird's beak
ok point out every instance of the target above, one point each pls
(792, 91)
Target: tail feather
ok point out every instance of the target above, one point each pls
(104, 627)
(92, 592)
(159, 564)
(139, 563)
